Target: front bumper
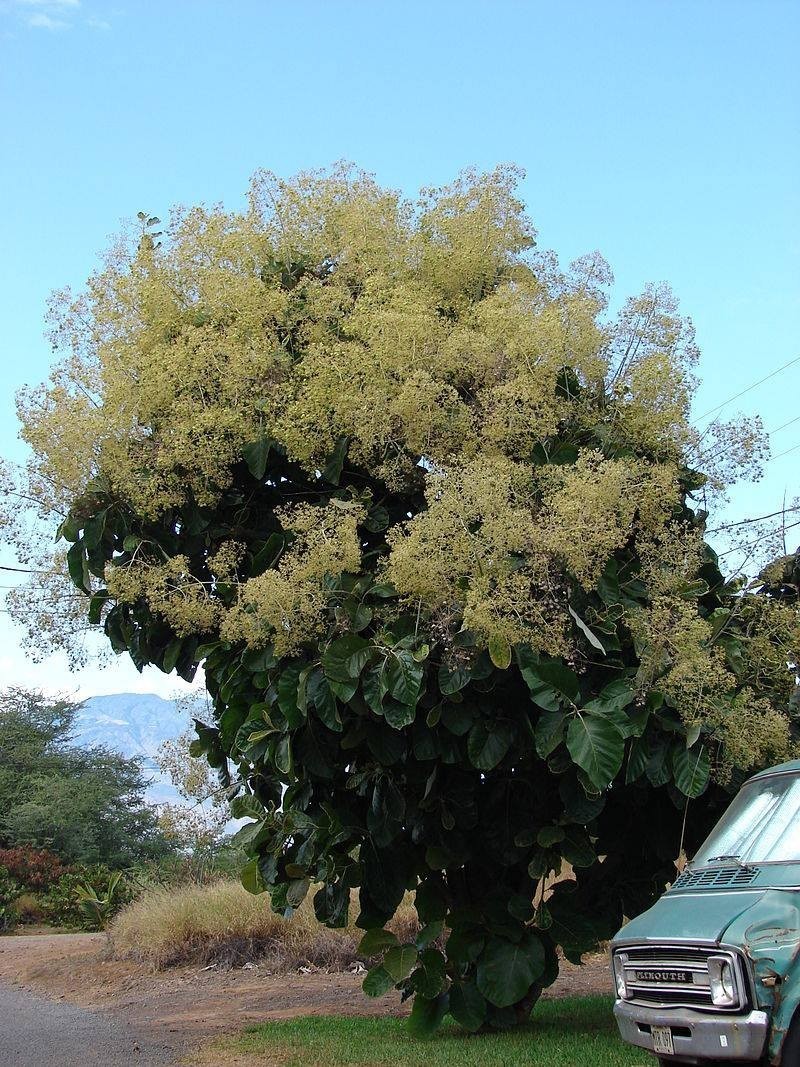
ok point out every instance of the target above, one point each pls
(697, 1035)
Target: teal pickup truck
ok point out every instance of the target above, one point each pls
(711, 973)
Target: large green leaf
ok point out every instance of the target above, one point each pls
(427, 1015)
(267, 555)
(500, 651)
(506, 971)
(386, 811)
(377, 982)
(452, 678)
(345, 658)
(658, 767)
(488, 742)
(323, 699)
(375, 941)
(331, 904)
(399, 715)
(400, 961)
(287, 695)
(404, 676)
(256, 456)
(596, 745)
(549, 732)
(77, 566)
(429, 979)
(375, 687)
(579, 807)
(691, 769)
(637, 760)
(610, 711)
(550, 682)
(562, 678)
(577, 848)
(296, 891)
(467, 1006)
(619, 693)
(589, 634)
(250, 877)
(247, 806)
(465, 944)
(458, 718)
(94, 529)
(284, 763)
(332, 471)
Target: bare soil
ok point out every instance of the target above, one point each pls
(185, 1005)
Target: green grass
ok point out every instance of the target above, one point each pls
(573, 1032)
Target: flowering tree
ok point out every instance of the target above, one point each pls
(431, 521)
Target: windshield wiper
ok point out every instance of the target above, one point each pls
(725, 857)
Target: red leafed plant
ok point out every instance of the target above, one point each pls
(33, 868)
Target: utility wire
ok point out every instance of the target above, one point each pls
(783, 425)
(749, 544)
(760, 518)
(780, 455)
(736, 396)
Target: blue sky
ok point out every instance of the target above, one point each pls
(664, 134)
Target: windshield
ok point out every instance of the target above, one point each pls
(762, 825)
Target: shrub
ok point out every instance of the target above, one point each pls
(226, 924)
(9, 892)
(201, 866)
(28, 908)
(96, 908)
(68, 902)
(33, 868)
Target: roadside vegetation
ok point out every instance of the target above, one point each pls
(223, 923)
(83, 803)
(573, 1032)
(77, 840)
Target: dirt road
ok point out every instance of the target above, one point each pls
(36, 1032)
(180, 1008)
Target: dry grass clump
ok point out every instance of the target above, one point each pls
(223, 923)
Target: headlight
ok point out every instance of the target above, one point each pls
(722, 982)
(620, 959)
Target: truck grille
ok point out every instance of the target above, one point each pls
(716, 878)
(674, 976)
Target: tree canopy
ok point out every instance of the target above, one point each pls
(86, 804)
(433, 521)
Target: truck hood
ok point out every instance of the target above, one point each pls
(691, 917)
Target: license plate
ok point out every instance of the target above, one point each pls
(662, 1040)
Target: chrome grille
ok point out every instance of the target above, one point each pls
(675, 976)
(716, 878)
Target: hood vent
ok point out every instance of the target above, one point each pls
(717, 878)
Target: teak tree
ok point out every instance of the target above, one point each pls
(431, 521)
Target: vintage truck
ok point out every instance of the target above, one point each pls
(711, 973)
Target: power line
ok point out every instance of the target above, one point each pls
(22, 570)
(760, 518)
(763, 537)
(783, 425)
(736, 396)
(780, 455)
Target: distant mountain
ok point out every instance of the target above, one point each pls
(134, 724)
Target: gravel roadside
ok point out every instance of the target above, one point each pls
(35, 1032)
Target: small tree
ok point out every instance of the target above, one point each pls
(430, 520)
(198, 823)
